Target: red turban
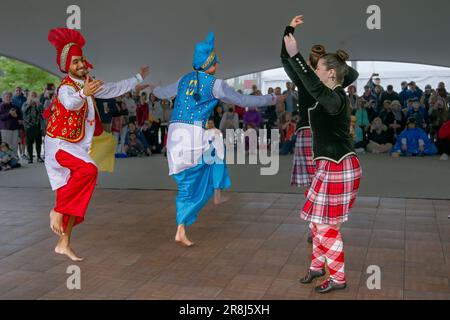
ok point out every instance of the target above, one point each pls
(68, 43)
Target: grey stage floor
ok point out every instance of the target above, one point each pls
(425, 178)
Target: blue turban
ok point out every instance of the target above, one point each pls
(204, 54)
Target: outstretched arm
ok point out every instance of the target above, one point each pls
(225, 93)
(166, 92)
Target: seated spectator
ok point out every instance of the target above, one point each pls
(438, 116)
(362, 117)
(385, 110)
(134, 147)
(230, 120)
(288, 136)
(418, 112)
(372, 110)
(8, 158)
(218, 114)
(413, 142)
(358, 136)
(443, 140)
(253, 119)
(395, 119)
(380, 139)
(139, 135)
(150, 133)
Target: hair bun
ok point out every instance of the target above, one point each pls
(318, 49)
(342, 54)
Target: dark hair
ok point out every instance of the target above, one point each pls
(317, 51)
(337, 61)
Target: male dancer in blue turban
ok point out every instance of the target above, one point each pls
(198, 92)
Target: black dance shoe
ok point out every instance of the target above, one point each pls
(311, 275)
(330, 285)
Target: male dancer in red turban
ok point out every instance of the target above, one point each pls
(73, 121)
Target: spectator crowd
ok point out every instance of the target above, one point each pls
(407, 123)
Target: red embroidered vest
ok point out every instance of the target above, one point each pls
(69, 125)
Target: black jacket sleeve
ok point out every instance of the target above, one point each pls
(331, 101)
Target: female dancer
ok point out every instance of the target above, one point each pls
(303, 168)
(336, 180)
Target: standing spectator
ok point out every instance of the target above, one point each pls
(368, 94)
(131, 106)
(119, 125)
(142, 111)
(352, 96)
(156, 114)
(405, 94)
(443, 140)
(10, 116)
(380, 139)
(291, 98)
(389, 94)
(416, 92)
(425, 100)
(18, 99)
(374, 81)
(167, 114)
(32, 121)
(395, 118)
(378, 92)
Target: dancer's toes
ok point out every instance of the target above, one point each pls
(184, 241)
(56, 224)
(221, 200)
(69, 253)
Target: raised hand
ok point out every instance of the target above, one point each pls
(91, 87)
(296, 21)
(291, 45)
(144, 71)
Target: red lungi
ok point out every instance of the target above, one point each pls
(73, 198)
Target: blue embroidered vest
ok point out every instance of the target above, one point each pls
(186, 109)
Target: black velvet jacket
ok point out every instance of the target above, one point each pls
(305, 100)
(329, 117)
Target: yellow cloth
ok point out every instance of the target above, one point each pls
(102, 151)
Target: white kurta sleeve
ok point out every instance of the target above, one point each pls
(116, 89)
(227, 94)
(166, 92)
(70, 98)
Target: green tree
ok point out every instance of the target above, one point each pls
(14, 73)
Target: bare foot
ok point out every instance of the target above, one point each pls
(56, 220)
(220, 199)
(68, 252)
(181, 238)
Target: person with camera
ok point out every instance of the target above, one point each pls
(32, 121)
(10, 121)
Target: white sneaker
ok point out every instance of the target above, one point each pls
(444, 157)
